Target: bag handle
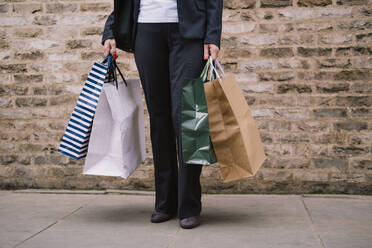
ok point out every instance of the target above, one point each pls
(112, 66)
(108, 59)
(213, 70)
(204, 73)
(220, 67)
(212, 73)
(121, 74)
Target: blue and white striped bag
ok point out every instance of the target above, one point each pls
(75, 140)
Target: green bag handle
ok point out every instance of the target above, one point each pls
(204, 73)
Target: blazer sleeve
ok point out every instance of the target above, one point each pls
(214, 22)
(108, 32)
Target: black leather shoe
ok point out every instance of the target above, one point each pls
(190, 222)
(158, 217)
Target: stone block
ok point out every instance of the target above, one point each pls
(313, 3)
(313, 52)
(275, 3)
(351, 2)
(239, 4)
(95, 7)
(277, 52)
(60, 8)
(330, 113)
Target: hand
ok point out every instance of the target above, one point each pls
(109, 47)
(211, 49)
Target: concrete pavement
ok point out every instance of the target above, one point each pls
(105, 219)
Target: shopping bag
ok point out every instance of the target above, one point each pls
(117, 140)
(196, 144)
(74, 142)
(233, 130)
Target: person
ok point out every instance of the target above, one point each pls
(173, 40)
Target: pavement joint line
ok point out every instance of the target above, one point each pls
(172, 238)
(87, 192)
(312, 223)
(35, 234)
(54, 223)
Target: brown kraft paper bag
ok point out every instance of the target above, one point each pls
(233, 130)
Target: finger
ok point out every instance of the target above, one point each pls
(206, 51)
(214, 53)
(217, 52)
(106, 48)
(113, 47)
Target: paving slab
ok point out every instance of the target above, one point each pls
(108, 221)
(251, 221)
(342, 223)
(24, 215)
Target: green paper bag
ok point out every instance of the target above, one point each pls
(196, 143)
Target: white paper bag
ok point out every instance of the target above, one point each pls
(117, 141)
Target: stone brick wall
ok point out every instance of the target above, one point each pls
(304, 65)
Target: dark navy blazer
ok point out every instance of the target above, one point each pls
(198, 19)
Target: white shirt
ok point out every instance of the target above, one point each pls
(158, 11)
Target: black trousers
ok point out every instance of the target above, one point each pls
(164, 59)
